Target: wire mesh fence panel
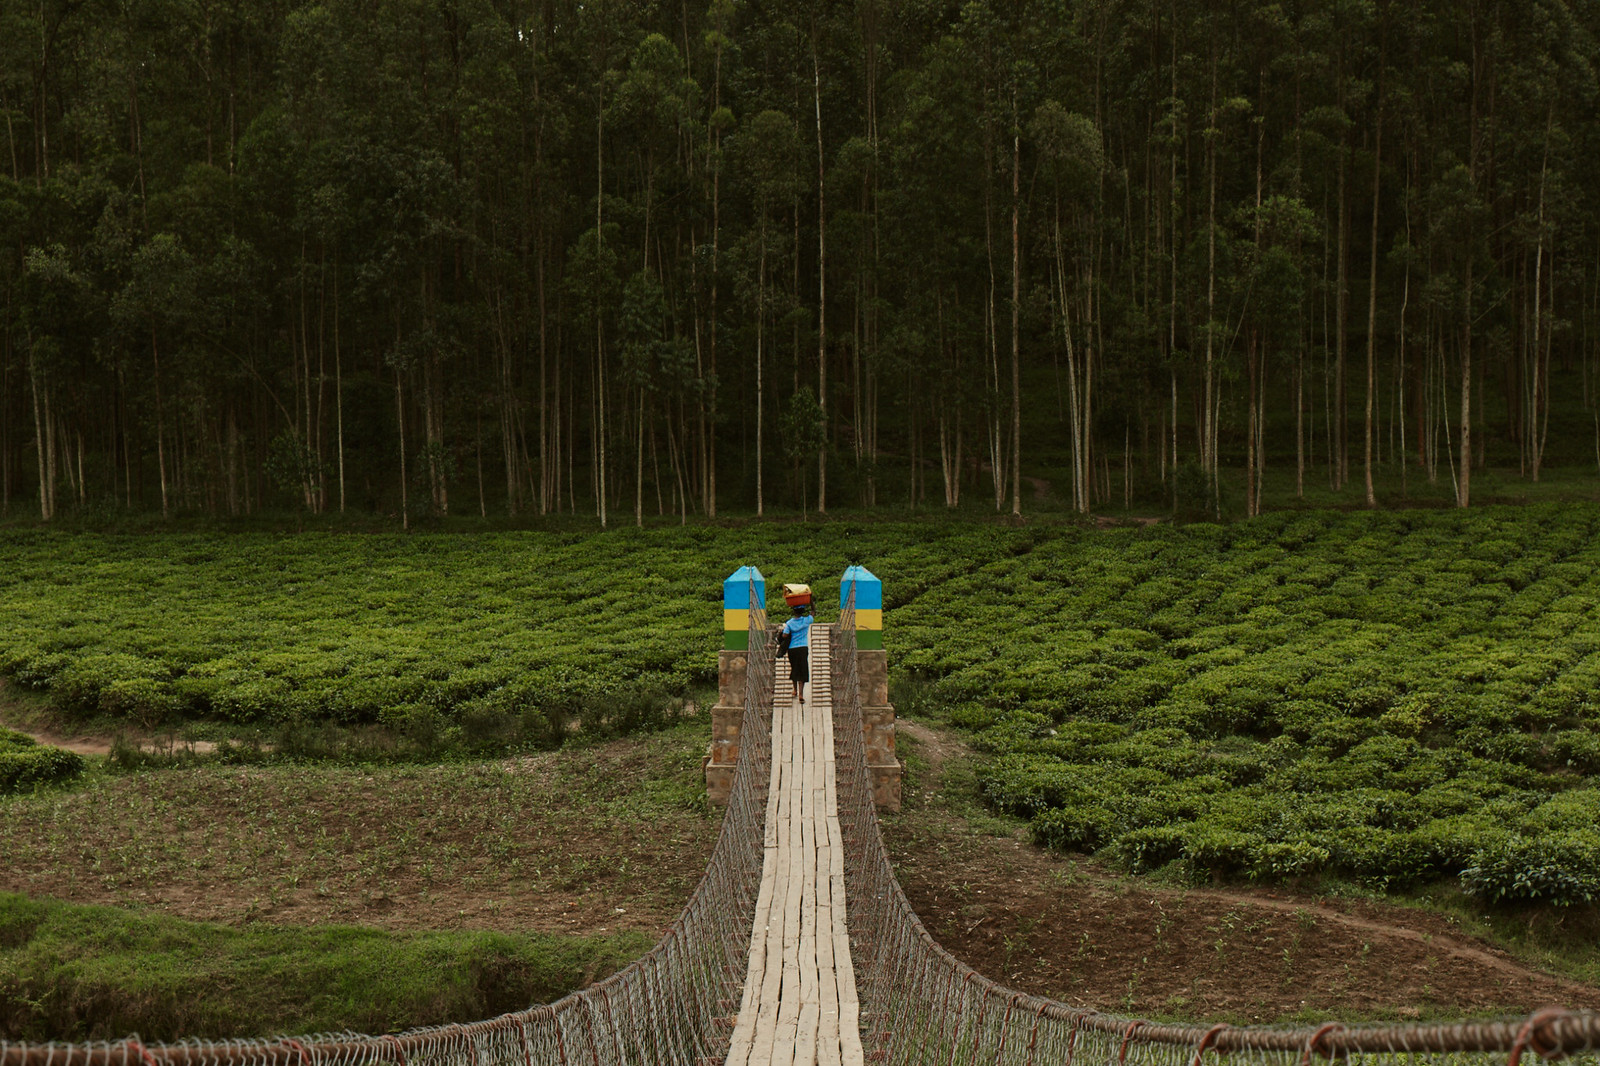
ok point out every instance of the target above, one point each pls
(921, 1005)
(670, 1007)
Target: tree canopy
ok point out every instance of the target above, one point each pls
(535, 256)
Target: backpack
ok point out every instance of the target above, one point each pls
(784, 636)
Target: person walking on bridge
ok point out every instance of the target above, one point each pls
(798, 632)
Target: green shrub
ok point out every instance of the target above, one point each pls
(1559, 869)
(26, 764)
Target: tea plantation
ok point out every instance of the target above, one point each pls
(1393, 697)
(263, 629)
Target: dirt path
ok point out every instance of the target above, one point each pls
(82, 744)
(1068, 927)
(18, 717)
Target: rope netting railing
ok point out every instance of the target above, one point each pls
(673, 1005)
(920, 1004)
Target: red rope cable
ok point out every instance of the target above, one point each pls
(1122, 1056)
(1315, 1039)
(1527, 1036)
(522, 1031)
(149, 1059)
(1033, 1037)
(1205, 1041)
(1072, 1038)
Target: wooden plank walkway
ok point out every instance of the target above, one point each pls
(799, 1006)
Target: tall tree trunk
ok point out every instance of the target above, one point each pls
(991, 324)
(231, 457)
(822, 288)
(1341, 445)
(708, 408)
(1086, 416)
(1474, 142)
(1539, 420)
(400, 415)
(1016, 309)
(1300, 424)
(1372, 282)
(761, 393)
(549, 421)
(43, 436)
(1208, 456)
(1400, 351)
(161, 421)
(1172, 241)
(1252, 506)
(322, 381)
(638, 469)
(16, 174)
(1464, 484)
(599, 322)
(1080, 487)
(338, 383)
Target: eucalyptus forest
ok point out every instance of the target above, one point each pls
(626, 258)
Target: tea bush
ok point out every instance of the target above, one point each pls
(491, 635)
(25, 763)
(1395, 697)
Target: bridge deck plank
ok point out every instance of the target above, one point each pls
(799, 1004)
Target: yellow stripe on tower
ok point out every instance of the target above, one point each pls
(870, 619)
(740, 619)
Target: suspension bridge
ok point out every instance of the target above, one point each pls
(798, 946)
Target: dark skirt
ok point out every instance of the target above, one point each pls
(800, 665)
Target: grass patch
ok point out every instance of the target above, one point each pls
(76, 972)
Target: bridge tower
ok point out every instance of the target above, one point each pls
(872, 669)
(732, 661)
(872, 673)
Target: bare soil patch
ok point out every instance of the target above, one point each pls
(1072, 929)
(591, 841)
